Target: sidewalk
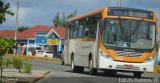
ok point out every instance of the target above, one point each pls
(13, 76)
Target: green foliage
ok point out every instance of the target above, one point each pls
(8, 62)
(5, 44)
(2, 63)
(56, 20)
(4, 9)
(18, 63)
(5, 63)
(71, 15)
(27, 66)
(61, 21)
(22, 28)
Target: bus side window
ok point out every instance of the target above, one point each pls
(80, 31)
(74, 32)
(92, 32)
(93, 27)
(86, 32)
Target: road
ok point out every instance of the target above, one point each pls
(62, 74)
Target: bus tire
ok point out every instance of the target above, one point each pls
(110, 72)
(73, 67)
(137, 74)
(92, 70)
(80, 69)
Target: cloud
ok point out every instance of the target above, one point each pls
(33, 12)
(11, 20)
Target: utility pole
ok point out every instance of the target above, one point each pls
(15, 37)
(119, 3)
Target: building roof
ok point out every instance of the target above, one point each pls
(5, 33)
(31, 32)
(59, 31)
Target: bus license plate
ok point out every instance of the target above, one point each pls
(128, 66)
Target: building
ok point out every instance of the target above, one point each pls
(7, 33)
(55, 39)
(50, 38)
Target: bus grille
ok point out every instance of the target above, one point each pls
(128, 54)
(123, 67)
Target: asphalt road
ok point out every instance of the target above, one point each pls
(62, 74)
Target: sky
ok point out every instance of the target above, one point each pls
(42, 12)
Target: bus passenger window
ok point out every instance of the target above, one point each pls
(80, 31)
(74, 33)
(86, 31)
(93, 32)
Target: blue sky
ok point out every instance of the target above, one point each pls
(34, 12)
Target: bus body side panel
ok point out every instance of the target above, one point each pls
(81, 50)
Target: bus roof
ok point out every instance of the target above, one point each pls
(101, 9)
(128, 8)
(86, 15)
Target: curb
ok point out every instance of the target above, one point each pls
(33, 79)
(39, 78)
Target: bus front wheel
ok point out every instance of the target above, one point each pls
(110, 72)
(137, 74)
(92, 70)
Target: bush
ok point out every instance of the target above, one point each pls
(17, 63)
(27, 68)
(8, 62)
(2, 63)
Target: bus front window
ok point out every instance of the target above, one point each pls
(129, 33)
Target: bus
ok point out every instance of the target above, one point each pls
(112, 39)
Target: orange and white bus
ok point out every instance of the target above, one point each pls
(112, 39)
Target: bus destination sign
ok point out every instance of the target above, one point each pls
(131, 13)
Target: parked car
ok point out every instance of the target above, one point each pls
(48, 53)
(57, 54)
(39, 53)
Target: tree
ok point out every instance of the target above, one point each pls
(56, 20)
(4, 9)
(5, 44)
(71, 15)
(61, 21)
(22, 28)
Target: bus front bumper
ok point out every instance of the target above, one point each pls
(126, 66)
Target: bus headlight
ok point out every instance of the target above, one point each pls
(149, 59)
(105, 55)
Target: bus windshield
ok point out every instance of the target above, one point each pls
(126, 33)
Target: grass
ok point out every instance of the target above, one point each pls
(34, 58)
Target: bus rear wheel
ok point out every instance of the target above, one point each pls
(76, 68)
(137, 74)
(92, 70)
